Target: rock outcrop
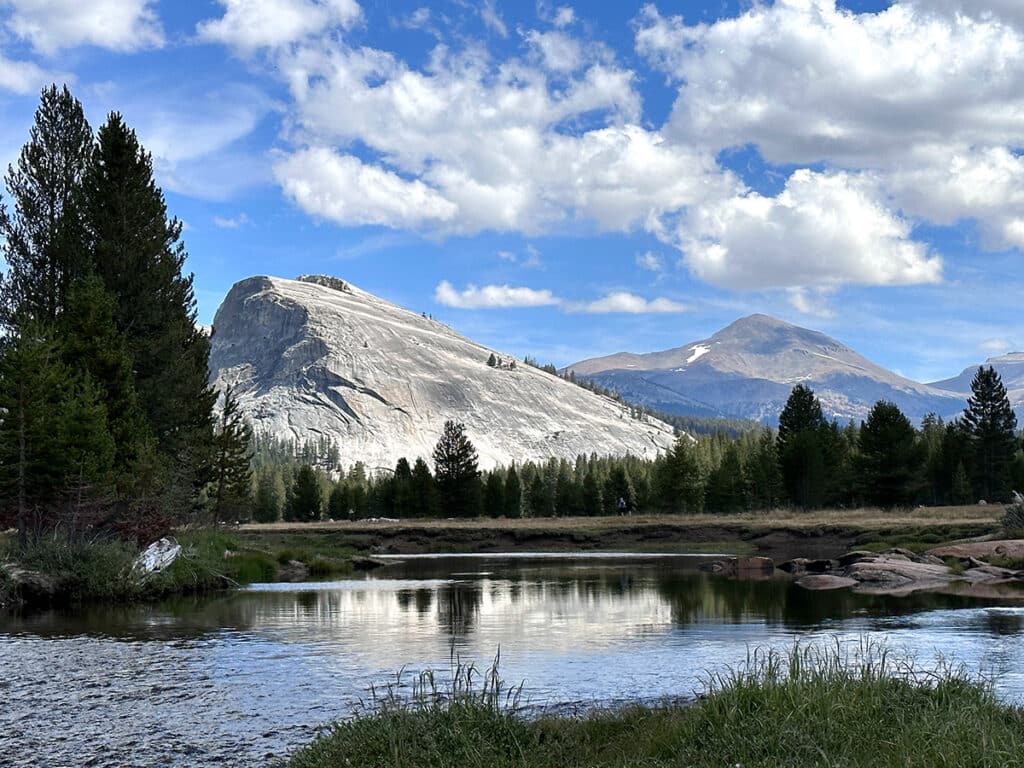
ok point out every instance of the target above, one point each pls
(319, 358)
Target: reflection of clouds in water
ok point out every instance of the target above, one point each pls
(548, 616)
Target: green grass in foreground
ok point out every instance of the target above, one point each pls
(813, 707)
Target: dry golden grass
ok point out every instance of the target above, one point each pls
(866, 519)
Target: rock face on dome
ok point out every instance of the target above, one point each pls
(318, 357)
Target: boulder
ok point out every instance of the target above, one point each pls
(743, 567)
(156, 557)
(824, 581)
(856, 556)
(293, 570)
(1012, 549)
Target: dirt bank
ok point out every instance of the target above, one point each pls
(824, 533)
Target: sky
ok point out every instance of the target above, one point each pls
(572, 180)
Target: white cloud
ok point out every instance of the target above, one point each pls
(811, 301)
(24, 77)
(926, 95)
(628, 303)
(201, 152)
(507, 256)
(558, 52)
(807, 81)
(649, 261)
(248, 25)
(564, 16)
(117, 25)
(944, 184)
(235, 222)
(491, 17)
(823, 229)
(345, 190)
(506, 296)
(492, 140)
(995, 346)
(492, 296)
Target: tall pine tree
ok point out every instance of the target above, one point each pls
(456, 471)
(138, 254)
(43, 236)
(992, 425)
(232, 461)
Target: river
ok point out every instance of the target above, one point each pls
(242, 679)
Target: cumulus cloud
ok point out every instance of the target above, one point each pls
(808, 81)
(117, 25)
(491, 140)
(926, 95)
(944, 184)
(823, 229)
(628, 303)
(252, 24)
(347, 191)
(25, 77)
(492, 296)
(229, 222)
(506, 296)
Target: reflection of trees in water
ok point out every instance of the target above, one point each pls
(458, 606)
(419, 600)
(699, 598)
(1003, 623)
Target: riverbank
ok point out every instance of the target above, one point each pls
(813, 707)
(55, 571)
(779, 533)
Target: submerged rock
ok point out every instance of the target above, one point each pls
(824, 581)
(742, 567)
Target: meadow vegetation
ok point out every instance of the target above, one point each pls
(832, 705)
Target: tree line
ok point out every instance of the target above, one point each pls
(809, 462)
(107, 420)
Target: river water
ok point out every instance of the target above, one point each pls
(243, 679)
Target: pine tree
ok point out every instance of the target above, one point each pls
(456, 472)
(592, 500)
(513, 494)
(761, 472)
(305, 501)
(403, 490)
(53, 434)
(725, 491)
(494, 495)
(44, 241)
(91, 343)
(679, 481)
(137, 252)
(960, 492)
(492, 361)
(232, 461)
(538, 500)
(890, 459)
(618, 489)
(339, 502)
(801, 446)
(992, 425)
(424, 491)
(267, 504)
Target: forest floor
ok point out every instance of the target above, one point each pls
(820, 533)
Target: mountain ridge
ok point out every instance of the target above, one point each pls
(748, 368)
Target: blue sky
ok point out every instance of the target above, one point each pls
(569, 180)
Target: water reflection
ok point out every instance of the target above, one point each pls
(229, 679)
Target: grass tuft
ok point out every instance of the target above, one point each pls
(822, 705)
